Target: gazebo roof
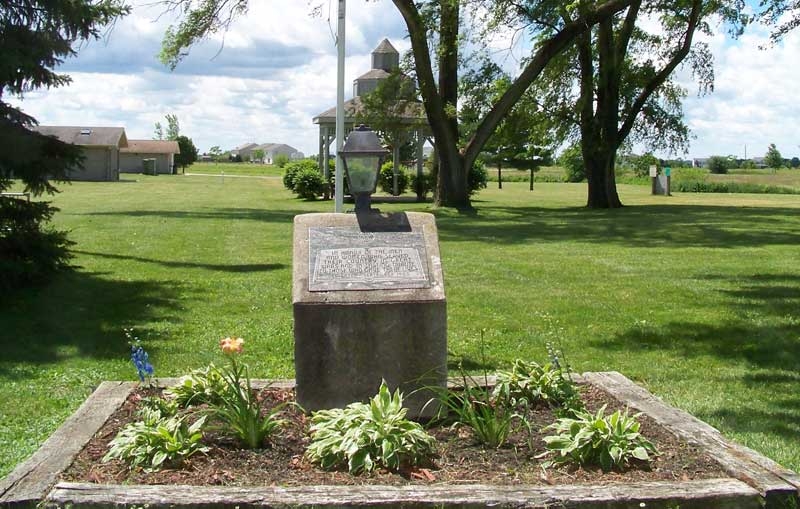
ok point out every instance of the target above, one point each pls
(385, 47)
(408, 113)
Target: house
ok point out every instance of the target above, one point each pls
(101, 147)
(161, 154)
(244, 151)
(272, 150)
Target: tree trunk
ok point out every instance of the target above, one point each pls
(602, 181)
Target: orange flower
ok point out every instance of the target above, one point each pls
(231, 345)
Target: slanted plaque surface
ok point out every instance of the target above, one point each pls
(345, 258)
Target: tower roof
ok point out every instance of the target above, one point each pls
(385, 47)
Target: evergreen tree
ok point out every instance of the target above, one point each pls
(37, 35)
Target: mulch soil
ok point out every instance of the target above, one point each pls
(460, 460)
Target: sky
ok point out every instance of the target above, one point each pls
(275, 69)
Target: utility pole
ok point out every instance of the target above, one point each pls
(339, 172)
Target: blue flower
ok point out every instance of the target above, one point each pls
(141, 361)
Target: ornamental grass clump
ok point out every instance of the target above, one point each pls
(363, 437)
(609, 441)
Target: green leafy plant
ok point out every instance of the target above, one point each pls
(292, 170)
(151, 445)
(152, 409)
(202, 386)
(238, 409)
(309, 184)
(386, 179)
(528, 383)
(474, 406)
(610, 441)
(367, 436)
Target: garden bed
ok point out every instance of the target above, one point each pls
(696, 467)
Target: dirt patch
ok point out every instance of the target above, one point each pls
(460, 460)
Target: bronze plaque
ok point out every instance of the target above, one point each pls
(342, 258)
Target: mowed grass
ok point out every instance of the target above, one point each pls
(695, 296)
(236, 169)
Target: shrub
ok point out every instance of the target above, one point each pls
(280, 160)
(718, 164)
(30, 251)
(641, 166)
(386, 179)
(695, 186)
(309, 184)
(293, 169)
(572, 162)
(478, 177)
(610, 441)
(427, 184)
(368, 436)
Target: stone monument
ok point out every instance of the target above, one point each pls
(369, 305)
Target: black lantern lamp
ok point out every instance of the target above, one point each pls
(363, 156)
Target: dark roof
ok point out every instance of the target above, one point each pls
(151, 147)
(373, 74)
(96, 136)
(385, 47)
(412, 112)
(267, 147)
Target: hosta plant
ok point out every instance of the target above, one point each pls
(610, 441)
(152, 445)
(528, 383)
(200, 387)
(363, 437)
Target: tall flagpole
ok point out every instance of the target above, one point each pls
(339, 175)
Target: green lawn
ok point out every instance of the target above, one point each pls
(248, 169)
(695, 296)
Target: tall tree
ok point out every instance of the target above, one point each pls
(35, 37)
(173, 129)
(614, 87)
(438, 20)
(773, 158)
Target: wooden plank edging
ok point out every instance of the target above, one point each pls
(768, 477)
(698, 494)
(32, 479)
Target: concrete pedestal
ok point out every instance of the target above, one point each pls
(369, 305)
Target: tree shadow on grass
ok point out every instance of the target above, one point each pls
(251, 267)
(677, 226)
(80, 314)
(766, 340)
(233, 214)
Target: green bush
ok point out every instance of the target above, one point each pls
(718, 164)
(427, 184)
(30, 251)
(572, 162)
(478, 177)
(368, 436)
(309, 184)
(280, 160)
(641, 166)
(386, 179)
(293, 169)
(610, 441)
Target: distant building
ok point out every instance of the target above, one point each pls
(272, 150)
(161, 154)
(244, 151)
(101, 148)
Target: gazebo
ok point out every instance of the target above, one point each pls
(409, 117)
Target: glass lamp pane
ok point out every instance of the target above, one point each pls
(363, 172)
